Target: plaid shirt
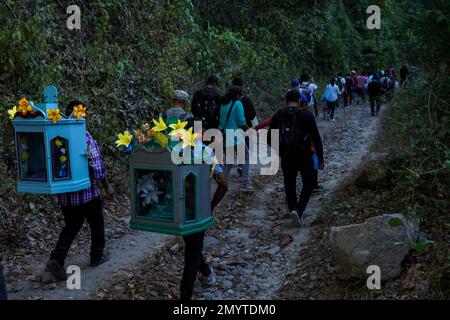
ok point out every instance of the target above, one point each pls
(96, 172)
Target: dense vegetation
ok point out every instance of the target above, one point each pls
(130, 56)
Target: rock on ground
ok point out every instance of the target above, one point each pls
(384, 241)
(375, 173)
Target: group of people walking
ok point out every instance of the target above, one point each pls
(300, 152)
(354, 88)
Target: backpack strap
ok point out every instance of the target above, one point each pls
(228, 115)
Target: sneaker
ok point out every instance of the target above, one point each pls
(56, 269)
(317, 189)
(247, 188)
(210, 280)
(296, 220)
(95, 263)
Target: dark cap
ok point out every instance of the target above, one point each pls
(212, 79)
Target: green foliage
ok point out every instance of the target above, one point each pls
(395, 222)
(422, 245)
(130, 56)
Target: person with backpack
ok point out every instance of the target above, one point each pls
(206, 103)
(375, 91)
(250, 115)
(308, 88)
(178, 111)
(247, 102)
(232, 117)
(297, 129)
(304, 87)
(3, 295)
(331, 96)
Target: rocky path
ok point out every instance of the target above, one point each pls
(252, 247)
(259, 248)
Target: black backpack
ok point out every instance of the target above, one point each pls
(304, 88)
(292, 136)
(206, 108)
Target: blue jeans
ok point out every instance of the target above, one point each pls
(3, 295)
(245, 166)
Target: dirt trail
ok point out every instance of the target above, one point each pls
(252, 247)
(124, 251)
(261, 247)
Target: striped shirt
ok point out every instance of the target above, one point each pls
(96, 172)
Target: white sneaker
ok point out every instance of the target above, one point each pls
(296, 220)
(211, 279)
(247, 188)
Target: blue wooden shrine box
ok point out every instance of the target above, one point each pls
(51, 158)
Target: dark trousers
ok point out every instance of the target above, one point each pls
(194, 262)
(3, 295)
(74, 218)
(316, 108)
(361, 93)
(291, 168)
(331, 106)
(348, 96)
(375, 105)
(315, 179)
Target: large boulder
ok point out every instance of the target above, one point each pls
(384, 241)
(374, 172)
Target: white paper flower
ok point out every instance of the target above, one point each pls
(147, 190)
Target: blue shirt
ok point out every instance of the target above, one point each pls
(235, 121)
(331, 93)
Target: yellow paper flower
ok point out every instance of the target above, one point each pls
(63, 159)
(12, 112)
(159, 125)
(24, 106)
(124, 139)
(189, 138)
(161, 139)
(79, 112)
(178, 129)
(54, 115)
(58, 143)
(178, 125)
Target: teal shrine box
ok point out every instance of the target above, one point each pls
(168, 198)
(51, 158)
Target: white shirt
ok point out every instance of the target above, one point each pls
(313, 88)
